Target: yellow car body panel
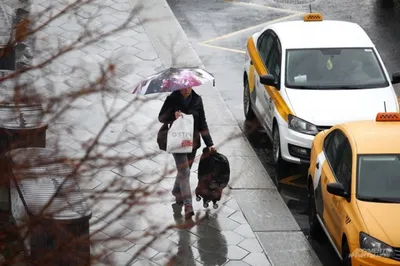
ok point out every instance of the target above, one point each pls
(280, 104)
(343, 217)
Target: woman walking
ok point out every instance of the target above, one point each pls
(186, 101)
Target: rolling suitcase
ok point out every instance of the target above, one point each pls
(213, 176)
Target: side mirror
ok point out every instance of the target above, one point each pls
(268, 80)
(336, 189)
(396, 78)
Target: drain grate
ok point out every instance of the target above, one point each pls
(295, 2)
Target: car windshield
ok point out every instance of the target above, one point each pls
(378, 178)
(334, 68)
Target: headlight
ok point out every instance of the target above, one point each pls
(374, 246)
(301, 125)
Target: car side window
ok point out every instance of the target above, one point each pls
(344, 166)
(265, 44)
(274, 60)
(331, 147)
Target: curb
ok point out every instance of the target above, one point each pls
(169, 41)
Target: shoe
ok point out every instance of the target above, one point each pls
(178, 196)
(188, 211)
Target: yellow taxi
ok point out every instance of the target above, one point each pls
(303, 76)
(354, 190)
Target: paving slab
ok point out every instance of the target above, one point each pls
(248, 173)
(265, 210)
(169, 40)
(215, 108)
(288, 248)
(231, 141)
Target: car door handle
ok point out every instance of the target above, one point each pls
(251, 62)
(317, 165)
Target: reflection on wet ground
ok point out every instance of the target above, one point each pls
(290, 180)
(212, 247)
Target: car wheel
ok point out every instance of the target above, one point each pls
(346, 254)
(247, 106)
(276, 145)
(315, 226)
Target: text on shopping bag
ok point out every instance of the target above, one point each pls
(180, 135)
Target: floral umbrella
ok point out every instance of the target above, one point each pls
(173, 79)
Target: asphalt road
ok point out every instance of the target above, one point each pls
(219, 30)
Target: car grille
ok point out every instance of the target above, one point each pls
(396, 253)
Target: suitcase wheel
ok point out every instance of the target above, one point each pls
(205, 205)
(215, 206)
(198, 198)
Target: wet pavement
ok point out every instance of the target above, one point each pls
(219, 31)
(225, 235)
(230, 235)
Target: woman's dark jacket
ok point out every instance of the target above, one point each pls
(175, 102)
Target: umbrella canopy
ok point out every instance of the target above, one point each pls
(173, 79)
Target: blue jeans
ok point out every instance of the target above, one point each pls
(184, 162)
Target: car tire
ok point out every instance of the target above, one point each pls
(247, 106)
(276, 145)
(346, 254)
(315, 226)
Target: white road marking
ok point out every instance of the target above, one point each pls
(262, 25)
(266, 7)
(223, 48)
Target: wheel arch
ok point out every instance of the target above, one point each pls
(252, 93)
(274, 123)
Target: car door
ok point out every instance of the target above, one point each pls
(332, 149)
(324, 174)
(264, 45)
(273, 65)
(342, 174)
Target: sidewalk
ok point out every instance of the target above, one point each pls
(227, 235)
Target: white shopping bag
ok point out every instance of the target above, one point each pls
(180, 135)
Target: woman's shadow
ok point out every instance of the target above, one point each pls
(184, 256)
(212, 244)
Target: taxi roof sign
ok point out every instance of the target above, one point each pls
(388, 117)
(313, 17)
